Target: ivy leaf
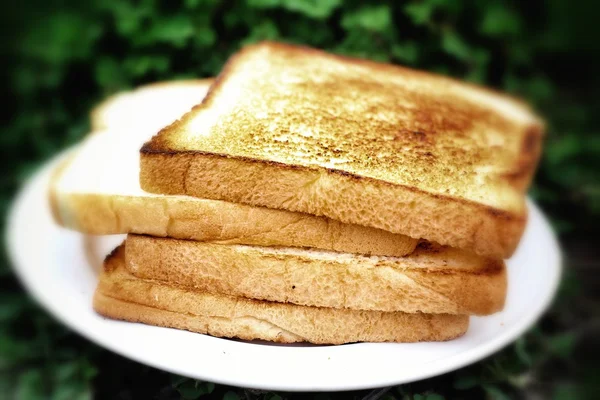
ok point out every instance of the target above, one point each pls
(371, 18)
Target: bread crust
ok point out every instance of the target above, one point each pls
(349, 199)
(122, 296)
(433, 279)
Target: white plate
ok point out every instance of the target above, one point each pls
(61, 274)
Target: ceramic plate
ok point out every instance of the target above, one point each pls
(60, 268)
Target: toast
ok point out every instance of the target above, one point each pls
(97, 191)
(152, 106)
(121, 295)
(433, 279)
(377, 145)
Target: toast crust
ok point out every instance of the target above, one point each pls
(439, 142)
(219, 222)
(349, 199)
(122, 296)
(433, 279)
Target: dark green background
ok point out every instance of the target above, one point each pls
(61, 57)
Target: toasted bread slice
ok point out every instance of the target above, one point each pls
(151, 106)
(433, 279)
(121, 295)
(365, 143)
(97, 191)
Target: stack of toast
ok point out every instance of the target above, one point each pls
(304, 197)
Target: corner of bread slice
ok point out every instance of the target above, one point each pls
(102, 116)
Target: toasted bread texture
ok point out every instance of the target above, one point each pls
(433, 279)
(121, 295)
(152, 106)
(377, 145)
(95, 193)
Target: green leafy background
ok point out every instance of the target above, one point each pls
(61, 57)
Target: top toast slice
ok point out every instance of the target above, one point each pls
(373, 144)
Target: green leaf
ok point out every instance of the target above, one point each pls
(568, 391)
(407, 52)
(454, 45)
(466, 382)
(72, 391)
(61, 37)
(521, 350)
(30, 386)
(265, 30)
(499, 21)
(265, 3)
(191, 389)
(140, 65)
(495, 393)
(204, 36)
(109, 74)
(317, 9)
(562, 344)
(372, 18)
(419, 12)
(359, 44)
(175, 30)
(202, 4)
(129, 17)
(434, 396)
(272, 396)
(231, 396)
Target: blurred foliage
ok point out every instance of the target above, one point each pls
(61, 57)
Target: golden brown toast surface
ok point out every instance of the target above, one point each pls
(300, 107)
(121, 295)
(433, 279)
(354, 123)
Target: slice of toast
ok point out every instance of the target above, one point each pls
(152, 106)
(433, 279)
(97, 191)
(377, 145)
(121, 295)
